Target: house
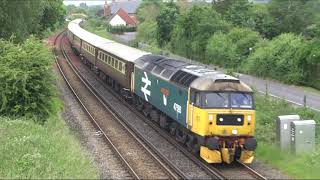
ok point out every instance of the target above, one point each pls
(121, 17)
(121, 12)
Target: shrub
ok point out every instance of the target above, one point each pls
(220, 50)
(147, 32)
(193, 30)
(121, 29)
(229, 50)
(280, 58)
(26, 79)
(311, 64)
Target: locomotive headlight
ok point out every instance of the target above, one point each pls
(239, 119)
(249, 118)
(210, 117)
(221, 119)
(234, 131)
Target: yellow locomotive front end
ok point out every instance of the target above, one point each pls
(221, 112)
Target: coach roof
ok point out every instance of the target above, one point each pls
(124, 52)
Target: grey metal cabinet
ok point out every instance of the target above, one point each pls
(283, 130)
(303, 136)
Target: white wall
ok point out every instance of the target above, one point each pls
(117, 20)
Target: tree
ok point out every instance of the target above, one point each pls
(282, 58)
(263, 22)
(233, 48)
(240, 14)
(19, 19)
(194, 28)
(293, 15)
(311, 63)
(30, 17)
(147, 14)
(165, 22)
(53, 14)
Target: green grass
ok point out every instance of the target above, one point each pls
(30, 150)
(298, 166)
(97, 27)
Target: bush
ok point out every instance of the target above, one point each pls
(26, 80)
(147, 32)
(311, 65)
(231, 49)
(121, 29)
(220, 50)
(193, 30)
(280, 58)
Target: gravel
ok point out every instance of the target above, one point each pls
(107, 163)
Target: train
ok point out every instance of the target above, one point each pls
(210, 112)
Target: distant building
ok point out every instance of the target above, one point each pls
(122, 12)
(121, 17)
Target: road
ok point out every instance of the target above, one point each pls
(290, 93)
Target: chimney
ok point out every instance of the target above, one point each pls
(107, 9)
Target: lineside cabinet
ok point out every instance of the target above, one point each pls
(303, 136)
(283, 130)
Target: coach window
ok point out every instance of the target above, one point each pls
(120, 66)
(117, 64)
(123, 68)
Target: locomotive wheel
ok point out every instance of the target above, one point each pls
(117, 87)
(193, 144)
(181, 135)
(154, 114)
(163, 121)
(173, 128)
(140, 107)
(190, 142)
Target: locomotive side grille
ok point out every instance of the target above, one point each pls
(230, 120)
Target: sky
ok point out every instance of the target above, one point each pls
(88, 2)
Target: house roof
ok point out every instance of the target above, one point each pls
(125, 16)
(129, 6)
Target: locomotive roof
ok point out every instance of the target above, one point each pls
(122, 51)
(189, 75)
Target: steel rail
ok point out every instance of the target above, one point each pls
(252, 171)
(210, 170)
(114, 148)
(174, 173)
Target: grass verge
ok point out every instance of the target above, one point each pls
(30, 150)
(298, 166)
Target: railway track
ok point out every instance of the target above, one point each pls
(140, 158)
(237, 171)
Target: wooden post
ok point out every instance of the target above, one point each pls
(267, 89)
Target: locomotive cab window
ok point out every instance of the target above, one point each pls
(195, 98)
(241, 100)
(216, 100)
(234, 100)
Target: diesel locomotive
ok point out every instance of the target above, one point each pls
(210, 112)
